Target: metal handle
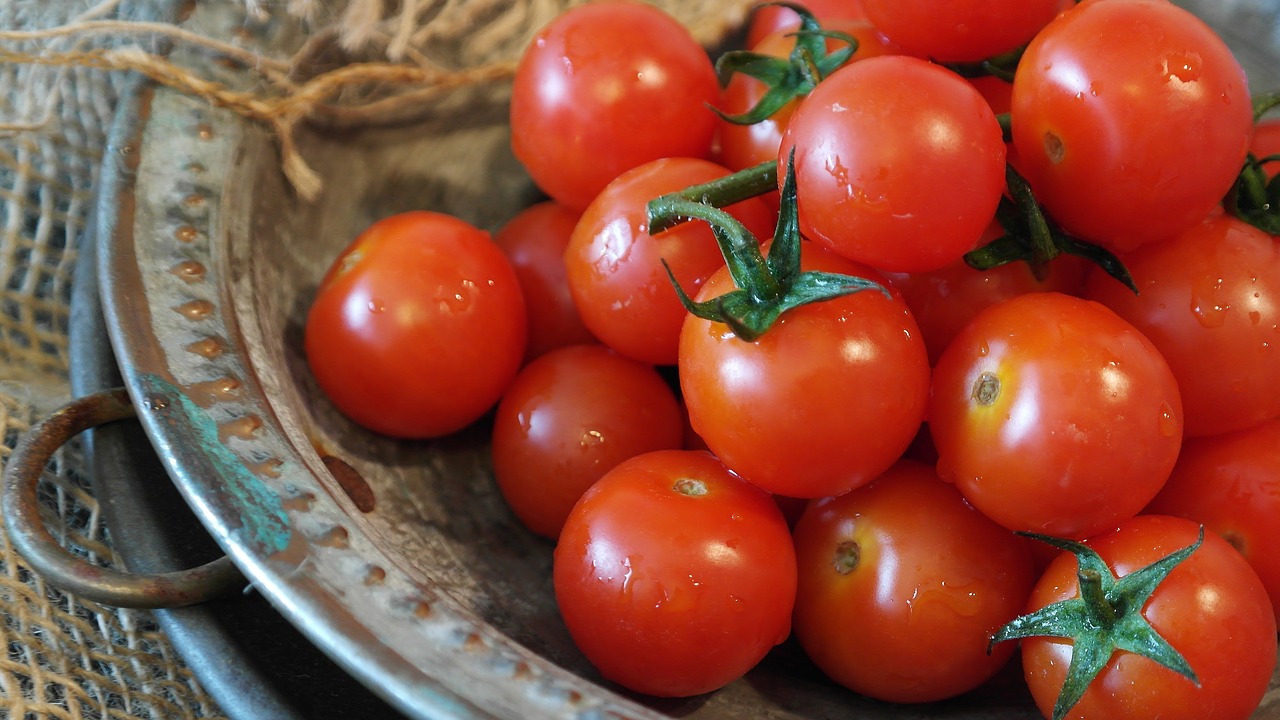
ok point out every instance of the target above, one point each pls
(41, 550)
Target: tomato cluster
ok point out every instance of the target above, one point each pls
(932, 332)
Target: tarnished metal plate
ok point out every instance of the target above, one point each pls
(398, 559)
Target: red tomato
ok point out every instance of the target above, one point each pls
(944, 300)
(960, 30)
(607, 86)
(823, 402)
(997, 92)
(614, 266)
(1266, 142)
(1092, 102)
(534, 242)
(1212, 609)
(769, 19)
(744, 146)
(1054, 415)
(1210, 301)
(674, 576)
(902, 584)
(417, 327)
(878, 146)
(568, 418)
(1231, 484)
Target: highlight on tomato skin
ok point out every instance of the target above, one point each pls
(960, 30)
(674, 576)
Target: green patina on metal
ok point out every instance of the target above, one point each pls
(262, 517)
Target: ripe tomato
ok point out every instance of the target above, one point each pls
(1231, 484)
(607, 86)
(417, 327)
(902, 584)
(1210, 301)
(767, 19)
(744, 146)
(1266, 142)
(1093, 102)
(1212, 609)
(1053, 415)
(823, 402)
(878, 146)
(960, 30)
(534, 242)
(614, 266)
(567, 419)
(674, 576)
(944, 300)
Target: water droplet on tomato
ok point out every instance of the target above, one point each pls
(1168, 424)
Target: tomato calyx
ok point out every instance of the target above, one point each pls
(1002, 66)
(1253, 198)
(767, 285)
(721, 192)
(1030, 236)
(1106, 617)
(787, 78)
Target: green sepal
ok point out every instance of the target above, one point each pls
(766, 287)
(787, 78)
(1032, 237)
(1001, 66)
(1263, 103)
(1106, 617)
(1254, 199)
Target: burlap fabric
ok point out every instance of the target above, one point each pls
(61, 67)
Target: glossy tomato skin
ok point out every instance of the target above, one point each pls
(1212, 608)
(743, 146)
(1093, 104)
(568, 418)
(767, 19)
(534, 242)
(1209, 299)
(960, 30)
(823, 402)
(902, 584)
(878, 146)
(1231, 483)
(944, 300)
(605, 87)
(1053, 415)
(674, 576)
(614, 266)
(417, 327)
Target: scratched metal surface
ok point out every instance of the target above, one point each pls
(397, 559)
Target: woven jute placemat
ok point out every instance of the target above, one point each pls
(62, 64)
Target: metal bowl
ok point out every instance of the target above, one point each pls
(398, 559)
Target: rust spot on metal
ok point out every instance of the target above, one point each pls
(473, 643)
(336, 536)
(186, 233)
(351, 482)
(195, 310)
(204, 131)
(210, 347)
(375, 575)
(243, 428)
(195, 199)
(421, 609)
(301, 502)
(522, 671)
(189, 270)
(269, 468)
(209, 392)
(195, 167)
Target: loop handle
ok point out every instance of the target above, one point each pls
(74, 574)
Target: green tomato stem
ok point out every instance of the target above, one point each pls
(718, 193)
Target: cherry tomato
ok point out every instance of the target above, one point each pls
(607, 86)
(902, 584)
(823, 402)
(534, 242)
(568, 418)
(417, 327)
(744, 146)
(1266, 142)
(1210, 301)
(1101, 99)
(1053, 415)
(944, 300)
(614, 266)
(674, 576)
(1212, 609)
(878, 146)
(769, 19)
(960, 30)
(1231, 484)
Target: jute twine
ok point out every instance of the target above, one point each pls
(361, 62)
